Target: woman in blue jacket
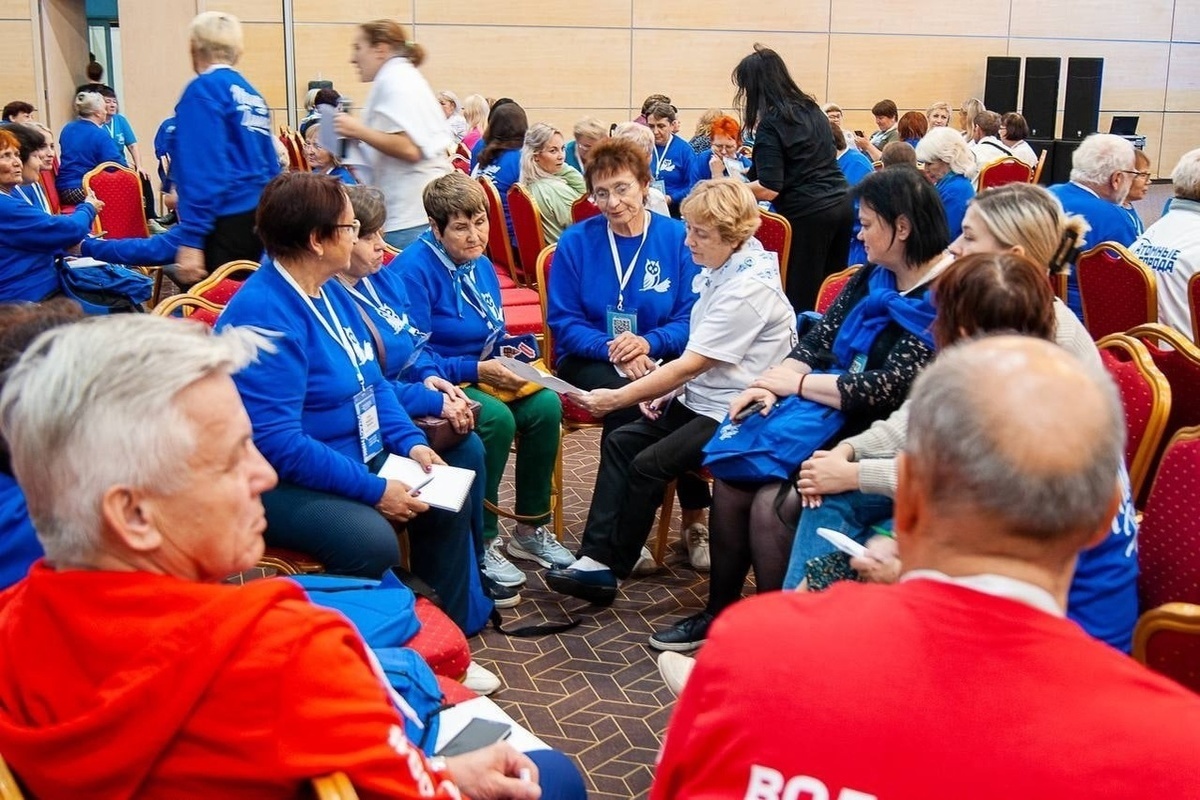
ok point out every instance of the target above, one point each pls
(324, 415)
(455, 297)
(500, 159)
(223, 152)
(85, 144)
(950, 167)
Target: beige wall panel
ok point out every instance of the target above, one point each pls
(359, 11)
(1181, 133)
(1134, 72)
(14, 9)
(323, 51)
(663, 62)
(247, 10)
(866, 69)
(262, 62)
(1183, 82)
(1145, 20)
(1187, 22)
(536, 67)
(564, 118)
(65, 50)
(922, 17)
(591, 14)
(765, 16)
(16, 63)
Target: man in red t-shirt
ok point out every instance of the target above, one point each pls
(965, 679)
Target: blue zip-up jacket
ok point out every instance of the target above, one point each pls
(31, 239)
(223, 152)
(457, 331)
(956, 192)
(84, 145)
(504, 172)
(583, 286)
(157, 249)
(1107, 222)
(672, 165)
(301, 398)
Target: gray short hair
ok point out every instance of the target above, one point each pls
(88, 104)
(1098, 157)
(945, 144)
(978, 452)
(1186, 176)
(91, 405)
(640, 135)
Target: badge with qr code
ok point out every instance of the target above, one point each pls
(621, 322)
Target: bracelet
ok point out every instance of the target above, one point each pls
(800, 388)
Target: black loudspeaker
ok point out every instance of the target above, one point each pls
(1044, 146)
(1039, 106)
(1064, 154)
(1003, 80)
(1081, 110)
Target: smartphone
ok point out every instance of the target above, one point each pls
(478, 734)
(859, 134)
(749, 411)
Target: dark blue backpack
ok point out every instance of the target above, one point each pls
(104, 288)
(384, 616)
(413, 680)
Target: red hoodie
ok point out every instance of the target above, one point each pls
(123, 684)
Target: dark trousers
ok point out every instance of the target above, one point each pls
(636, 463)
(750, 525)
(820, 247)
(232, 238)
(587, 373)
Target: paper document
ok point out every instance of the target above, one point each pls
(447, 490)
(83, 261)
(842, 542)
(327, 135)
(531, 374)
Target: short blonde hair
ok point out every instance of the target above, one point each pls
(726, 204)
(217, 35)
(475, 110)
(88, 104)
(590, 126)
(1028, 216)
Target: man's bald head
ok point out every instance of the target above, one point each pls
(1021, 431)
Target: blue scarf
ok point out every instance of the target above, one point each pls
(463, 276)
(882, 306)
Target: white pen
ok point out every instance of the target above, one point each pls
(421, 485)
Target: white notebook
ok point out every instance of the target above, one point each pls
(447, 490)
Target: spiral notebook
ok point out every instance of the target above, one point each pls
(445, 487)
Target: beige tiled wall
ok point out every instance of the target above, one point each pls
(563, 61)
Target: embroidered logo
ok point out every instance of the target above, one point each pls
(255, 114)
(728, 431)
(652, 279)
(363, 351)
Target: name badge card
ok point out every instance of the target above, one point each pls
(368, 423)
(620, 322)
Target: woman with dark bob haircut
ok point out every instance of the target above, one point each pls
(861, 358)
(314, 401)
(795, 168)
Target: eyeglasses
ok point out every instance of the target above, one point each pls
(354, 227)
(1136, 174)
(620, 191)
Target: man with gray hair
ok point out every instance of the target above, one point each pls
(1102, 171)
(127, 667)
(964, 679)
(1171, 246)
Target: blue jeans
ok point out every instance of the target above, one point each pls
(403, 237)
(852, 513)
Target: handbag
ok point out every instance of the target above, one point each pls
(441, 434)
(523, 348)
(764, 449)
(102, 288)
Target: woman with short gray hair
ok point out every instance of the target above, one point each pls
(85, 144)
(950, 167)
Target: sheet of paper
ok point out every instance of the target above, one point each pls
(448, 489)
(842, 542)
(326, 135)
(531, 374)
(83, 261)
(455, 718)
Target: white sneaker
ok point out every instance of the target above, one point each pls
(540, 546)
(675, 669)
(645, 564)
(696, 537)
(480, 680)
(499, 568)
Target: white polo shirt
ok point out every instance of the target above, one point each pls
(741, 319)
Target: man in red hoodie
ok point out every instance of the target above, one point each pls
(126, 668)
(964, 680)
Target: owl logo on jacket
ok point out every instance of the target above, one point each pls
(653, 280)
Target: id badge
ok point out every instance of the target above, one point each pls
(660, 185)
(620, 322)
(858, 364)
(368, 423)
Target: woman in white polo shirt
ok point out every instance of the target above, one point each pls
(741, 324)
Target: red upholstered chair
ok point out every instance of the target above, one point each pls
(124, 212)
(584, 208)
(295, 149)
(832, 286)
(775, 234)
(527, 226)
(1178, 359)
(1118, 291)
(1006, 170)
(290, 562)
(464, 151)
(47, 178)
(1145, 398)
(499, 248)
(523, 319)
(223, 283)
(186, 306)
(1167, 640)
(1193, 291)
(461, 163)
(1169, 536)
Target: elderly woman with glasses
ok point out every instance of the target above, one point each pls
(323, 413)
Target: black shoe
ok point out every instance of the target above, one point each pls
(687, 634)
(502, 596)
(597, 586)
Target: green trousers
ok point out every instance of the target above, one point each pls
(536, 421)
